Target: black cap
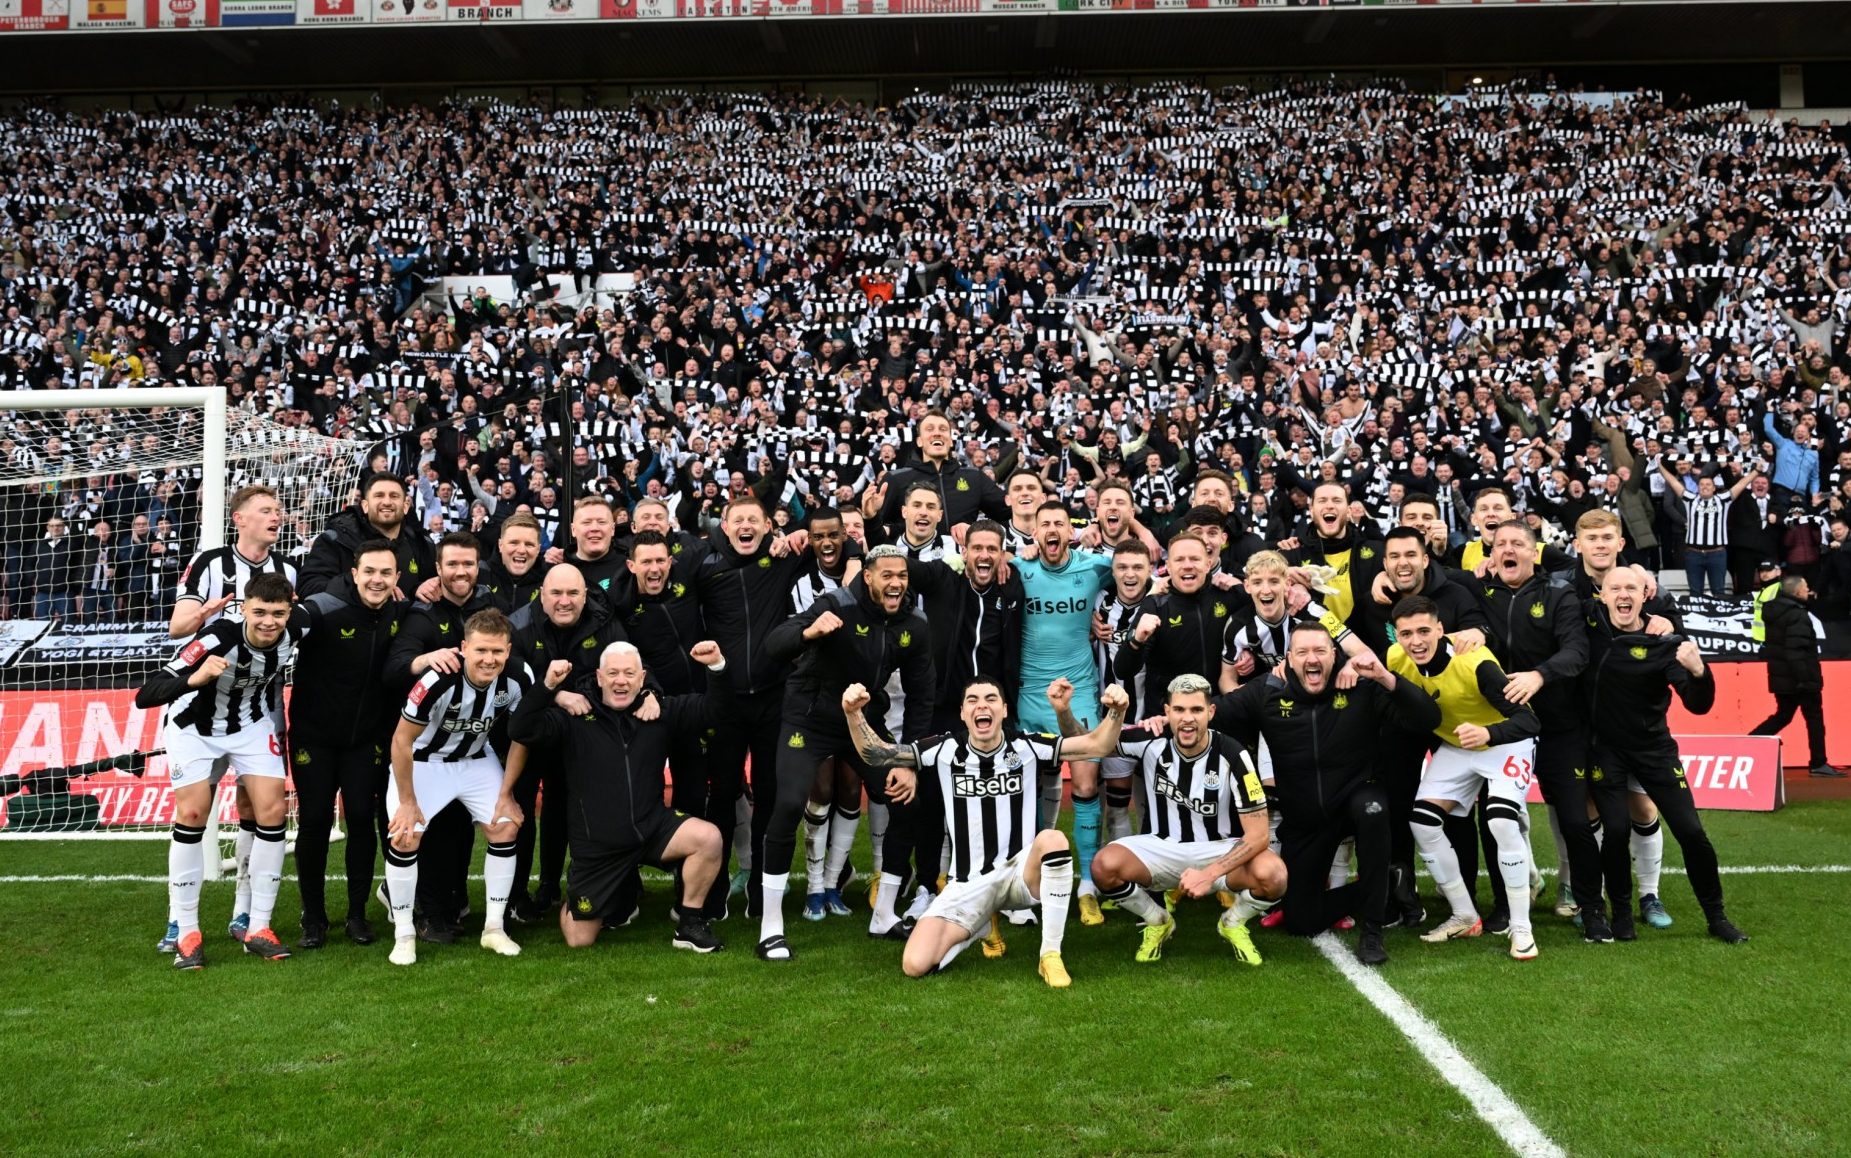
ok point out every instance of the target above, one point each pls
(1767, 565)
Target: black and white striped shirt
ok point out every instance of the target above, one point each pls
(811, 586)
(1249, 631)
(1122, 618)
(1706, 521)
(457, 716)
(248, 692)
(933, 550)
(989, 797)
(223, 571)
(1197, 799)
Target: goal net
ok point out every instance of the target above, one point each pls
(105, 496)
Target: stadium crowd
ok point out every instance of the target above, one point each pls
(898, 412)
(1595, 304)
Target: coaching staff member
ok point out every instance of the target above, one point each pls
(1324, 742)
(340, 725)
(613, 762)
(1791, 649)
(380, 515)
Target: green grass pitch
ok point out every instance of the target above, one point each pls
(1675, 1045)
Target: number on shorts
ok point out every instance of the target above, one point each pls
(276, 747)
(1518, 769)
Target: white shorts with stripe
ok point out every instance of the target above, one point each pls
(196, 759)
(477, 783)
(970, 904)
(1168, 859)
(1455, 774)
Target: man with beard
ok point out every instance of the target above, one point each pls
(514, 575)
(380, 515)
(1204, 827)
(1116, 520)
(1324, 742)
(653, 515)
(430, 641)
(1215, 489)
(564, 624)
(964, 492)
(1627, 695)
(1182, 632)
(1060, 588)
(1491, 509)
(1341, 545)
(1114, 619)
(983, 778)
(862, 634)
(1485, 740)
(338, 733)
(743, 581)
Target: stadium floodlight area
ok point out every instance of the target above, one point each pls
(105, 497)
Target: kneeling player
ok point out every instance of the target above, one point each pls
(1487, 741)
(987, 779)
(224, 690)
(440, 754)
(1203, 805)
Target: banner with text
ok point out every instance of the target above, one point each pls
(1727, 773)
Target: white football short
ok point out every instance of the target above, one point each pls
(1169, 859)
(196, 759)
(477, 783)
(1455, 774)
(970, 904)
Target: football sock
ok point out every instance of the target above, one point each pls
(1648, 855)
(771, 920)
(1564, 882)
(1441, 861)
(402, 889)
(247, 835)
(186, 867)
(1050, 800)
(815, 846)
(1513, 847)
(951, 954)
(884, 898)
(1340, 863)
(877, 832)
(944, 860)
(1247, 906)
(266, 874)
(1056, 896)
(1086, 834)
(1600, 832)
(1272, 831)
(842, 826)
(742, 833)
(1117, 811)
(1137, 902)
(498, 878)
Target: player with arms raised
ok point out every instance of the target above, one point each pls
(985, 779)
(224, 691)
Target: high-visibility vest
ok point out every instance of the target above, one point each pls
(1761, 598)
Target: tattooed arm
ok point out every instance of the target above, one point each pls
(899, 759)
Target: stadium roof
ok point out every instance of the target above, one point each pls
(1097, 44)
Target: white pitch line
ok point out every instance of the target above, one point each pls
(1491, 1103)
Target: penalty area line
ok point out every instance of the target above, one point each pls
(1487, 1099)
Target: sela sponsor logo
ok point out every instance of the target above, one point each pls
(1057, 606)
(986, 786)
(1167, 788)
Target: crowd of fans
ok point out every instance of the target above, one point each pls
(1630, 304)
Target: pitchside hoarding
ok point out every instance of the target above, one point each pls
(1727, 773)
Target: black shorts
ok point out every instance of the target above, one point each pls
(593, 876)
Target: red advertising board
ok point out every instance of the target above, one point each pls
(1728, 773)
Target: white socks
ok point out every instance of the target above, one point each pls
(1648, 855)
(1056, 896)
(1513, 845)
(816, 830)
(842, 825)
(1441, 861)
(1340, 863)
(771, 921)
(877, 832)
(498, 875)
(264, 874)
(1247, 906)
(247, 836)
(402, 890)
(186, 867)
(884, 897)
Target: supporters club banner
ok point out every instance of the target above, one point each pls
(1727, 773)
(256, 13)
(407, 11)
(62, 644)
(183, 13)
(34, 15)
(333, 11)
(109, 14)
(475, 12)
(560, 9)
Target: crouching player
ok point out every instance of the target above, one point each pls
(440, 754)
(224, 688)
(1203, 805)
(986, 780)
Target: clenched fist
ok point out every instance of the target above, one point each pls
(1115, 700)
(854, 698)
(706, 652)
(825, 623)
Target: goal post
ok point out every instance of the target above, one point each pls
(105, 497)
